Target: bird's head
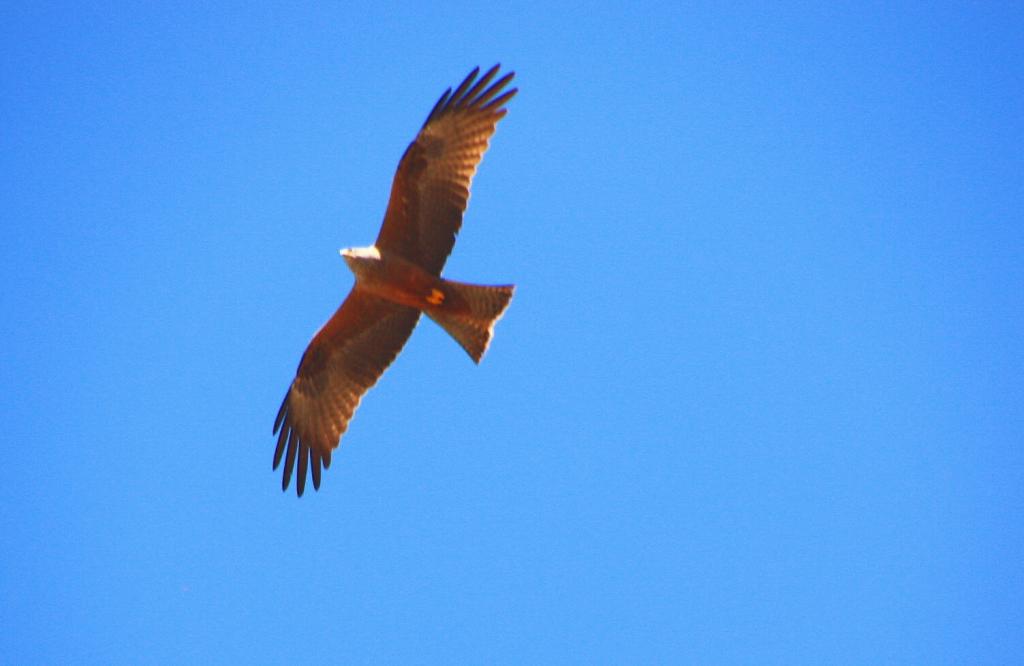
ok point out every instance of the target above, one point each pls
(353, 255)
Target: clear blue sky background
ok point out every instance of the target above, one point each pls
(758, 398)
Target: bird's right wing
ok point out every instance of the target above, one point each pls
(345, 358)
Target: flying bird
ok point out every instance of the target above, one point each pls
(398, 278)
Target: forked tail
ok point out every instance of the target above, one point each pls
(469, 312)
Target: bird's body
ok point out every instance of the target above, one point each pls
(397, 279)
(391, 277)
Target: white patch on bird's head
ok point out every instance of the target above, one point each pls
(370, 252)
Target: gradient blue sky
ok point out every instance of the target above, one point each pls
(758, 398)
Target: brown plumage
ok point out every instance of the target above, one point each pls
(398, 278)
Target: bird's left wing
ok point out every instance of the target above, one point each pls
(431, 187)
(345, 358)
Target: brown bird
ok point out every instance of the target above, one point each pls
(397, 278)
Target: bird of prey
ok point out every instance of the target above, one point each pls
(397, 278)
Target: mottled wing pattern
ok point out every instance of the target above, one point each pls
(345, 358)
(431, 187)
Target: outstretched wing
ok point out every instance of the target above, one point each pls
(345, 358)
(431, 187)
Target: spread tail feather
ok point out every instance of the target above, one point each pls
(469, 312)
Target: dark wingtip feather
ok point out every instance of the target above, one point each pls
(289, 460)
(473, 93)
(483, 98)
(459, 93)
(498, 102)
(280, 446)
(438, 106)
(300, 478)
(315, 465)
(282, 411)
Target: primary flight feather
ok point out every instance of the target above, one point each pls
(398, 278)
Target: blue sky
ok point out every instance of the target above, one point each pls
(757, 398)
